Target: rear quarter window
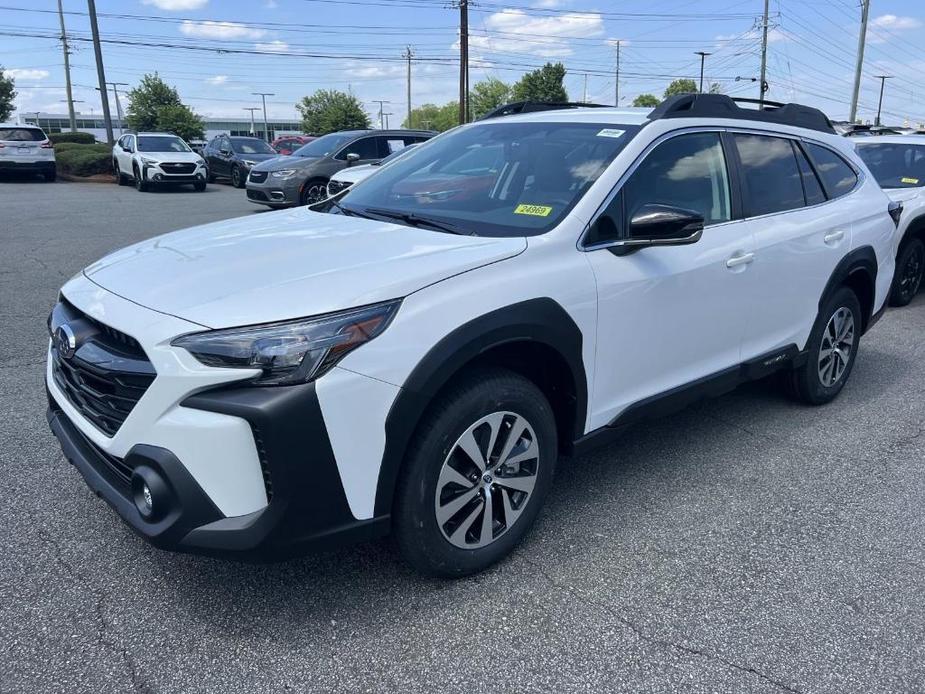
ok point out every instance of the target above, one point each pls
(838, 178)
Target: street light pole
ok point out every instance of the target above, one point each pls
(252, 109)
(703, 56)
(266, 126)
(883, 79)
(100, 72)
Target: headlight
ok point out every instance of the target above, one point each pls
(150, 162)
(294, 351)
(284, 173)
(201, 162)
(250, 163)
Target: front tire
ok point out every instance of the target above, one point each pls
(199, 186)
(141, 185)
(910, 267)
(477, 472)
(831, 350)
(314, 191)
(237, 180)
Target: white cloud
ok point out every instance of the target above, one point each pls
(547, 37)
(545, 4)
(176, 5)
(270, 4)
(272, 47)
(775, 35)
(25, 73)
(220, 30)
(894, 23)
(217, 79)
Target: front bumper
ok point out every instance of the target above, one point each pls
(307, 507)
(275, 192)
(156, 175)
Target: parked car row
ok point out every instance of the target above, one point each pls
(414, 354)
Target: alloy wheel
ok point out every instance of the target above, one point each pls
(314, 193)
(236, 177)
(837, 344)
(486, 480)
(911, 274)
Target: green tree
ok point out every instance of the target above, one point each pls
(544, 84)
(7, 95)
(145, 100)
(488, 95)
(181, 121)
(681, 86)
(433, 117)
(329, 110)
(646, 100)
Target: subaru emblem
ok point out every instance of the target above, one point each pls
(65, 341)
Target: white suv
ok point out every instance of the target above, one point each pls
(26, 148)
(898, 164)
(156, 159)
(417, 358)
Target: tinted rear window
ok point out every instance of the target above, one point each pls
(837, 177)
(895, 165)
(21, 134)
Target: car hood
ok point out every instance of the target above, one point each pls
(181, 157)
(288, 264)
(280, 162)
(259, 158)
(355, 173)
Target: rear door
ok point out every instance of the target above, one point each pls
(800, 235)
(125, 152)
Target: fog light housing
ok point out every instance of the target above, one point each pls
(150, 493)
(158, 177)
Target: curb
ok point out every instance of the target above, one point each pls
(98, 178)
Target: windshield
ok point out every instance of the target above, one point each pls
(21, 134)
(895, 165)
(323, 146)
(161, 143)
(496, 179)
(250, 145)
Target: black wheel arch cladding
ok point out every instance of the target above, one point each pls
(540, 321)
(857, 270)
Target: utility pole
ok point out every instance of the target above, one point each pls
(616, 94)
(883, 79)
(100, 73)
(703, 55)
(266, 126)
(252, 109)
(386, 120)
(408, 55)
(463, 60)
(584, 94)
(67, 70)
(115, 93)
(862, 40)
(764, 54)
(381, 103)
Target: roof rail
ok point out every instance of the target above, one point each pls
(534, 106)
(722, 106)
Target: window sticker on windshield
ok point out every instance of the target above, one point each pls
(533, 210)
(611, 132)
(910, 181)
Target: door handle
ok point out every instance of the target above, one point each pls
(834, 237)
(740, 259)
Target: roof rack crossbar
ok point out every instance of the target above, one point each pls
(535, 106)
(722, 106)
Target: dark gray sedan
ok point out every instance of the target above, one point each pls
(302, 178)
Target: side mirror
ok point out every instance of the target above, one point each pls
(352, 158)
(661, 225)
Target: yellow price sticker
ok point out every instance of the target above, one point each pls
(533, 210)
(910, 181)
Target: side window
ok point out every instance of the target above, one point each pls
(811, 186)
(226, 144)
(837, 177)
(130, 143)
(366, 147)
(771, 176)
(122, 141)
(688, 171)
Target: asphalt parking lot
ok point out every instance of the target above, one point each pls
(747, 544)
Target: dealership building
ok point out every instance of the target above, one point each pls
(58, 122)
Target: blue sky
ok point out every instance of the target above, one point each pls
(292, 47)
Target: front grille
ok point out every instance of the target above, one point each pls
(257, 195)
(178, 168)
(106, 375)
(258, 176)
(335, 187)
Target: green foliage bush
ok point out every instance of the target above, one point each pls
(78, 137)
(84, 160)
(67, 146)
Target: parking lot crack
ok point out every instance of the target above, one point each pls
(103, 625)
(649, 638)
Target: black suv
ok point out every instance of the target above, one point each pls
(233, 157)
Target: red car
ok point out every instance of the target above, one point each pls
(287, 144)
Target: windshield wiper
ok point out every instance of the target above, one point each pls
(417, 221)
(347, 211)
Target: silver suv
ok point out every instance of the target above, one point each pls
(26, 148)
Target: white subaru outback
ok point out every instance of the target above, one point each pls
(417, 357)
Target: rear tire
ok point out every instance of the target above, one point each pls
(910, 267)
(50, 176)
(442, 493)
(831, 350)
